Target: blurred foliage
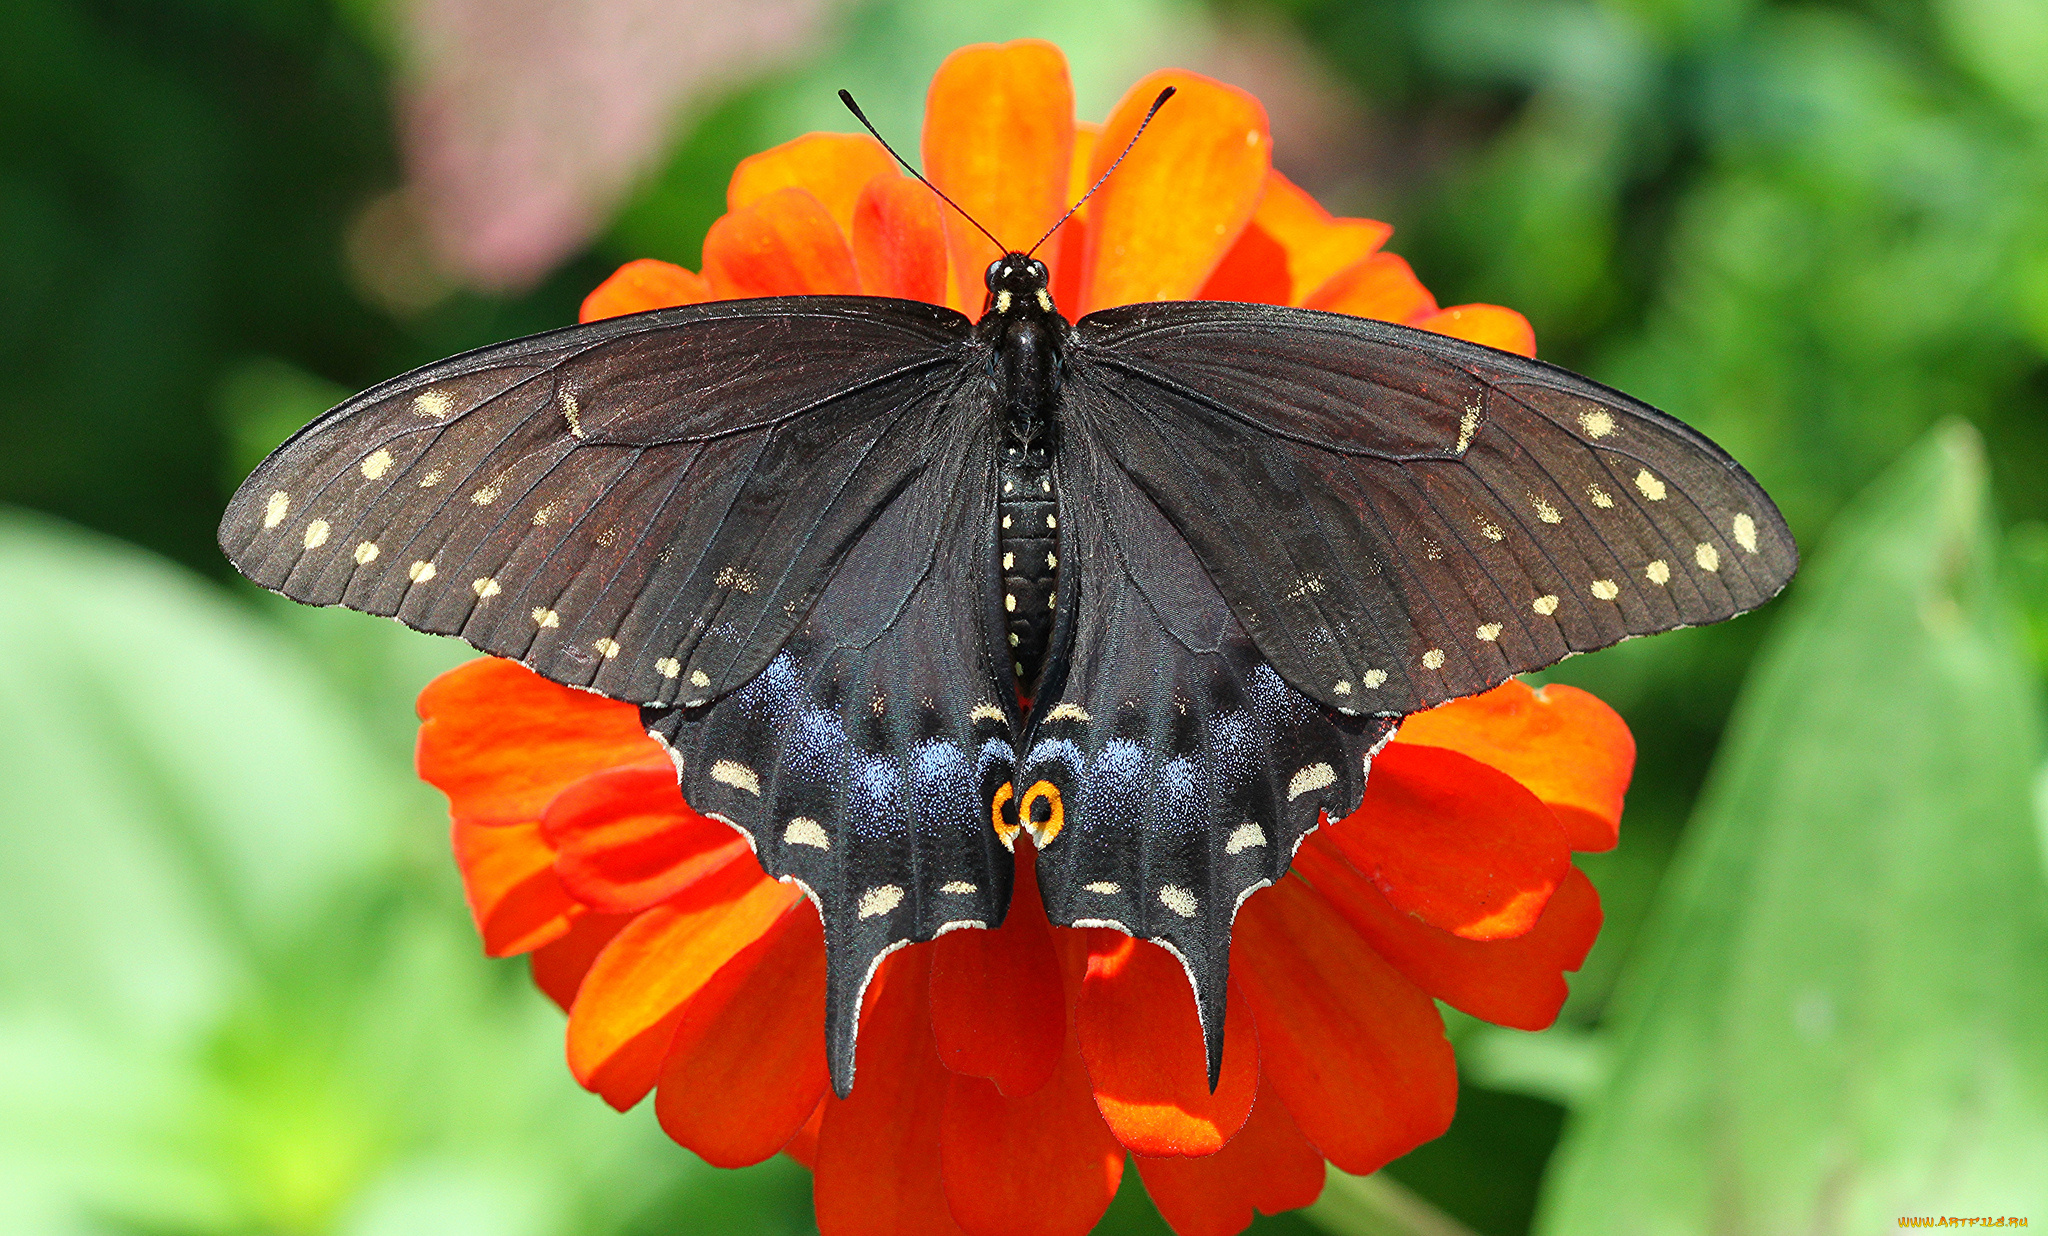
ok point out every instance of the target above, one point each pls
(237, 992)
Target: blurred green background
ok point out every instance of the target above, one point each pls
(238, 990)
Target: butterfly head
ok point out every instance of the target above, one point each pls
(1017, 281)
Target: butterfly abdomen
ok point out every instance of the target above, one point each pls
(1027, 537)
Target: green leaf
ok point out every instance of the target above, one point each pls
(1835, 1017)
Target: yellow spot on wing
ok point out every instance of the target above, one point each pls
(1606, 589)
(668, 667)
(1707, 556)
(803, 830)
(1745, 533)
(1545, 605)
(1313, 777)
(366, 553)
(1489, 632)
(1649, 486)
(1244, 837)
(607, 648)
(316, 534)
(421, 571)
(1658, 572)
(1597, 424)
(274, 510)
(737, 775)
(432, 404)
(1433, 659)
(880, 900)
(1179, 900)
(546, 618)
(485, 587)
(377, 464)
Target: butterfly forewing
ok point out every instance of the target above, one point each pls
(644, 505)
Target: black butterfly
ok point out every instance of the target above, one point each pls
(825, 543)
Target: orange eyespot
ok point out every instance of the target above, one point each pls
(1006, 832)
(1043, 826)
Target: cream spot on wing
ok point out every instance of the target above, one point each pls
(736, 775)
(1068, 712)
(1649, 486)
(366, 553)
(1314, 777)
(420, 571)
(487, 495)
(960, 888)
(1597, 423)
(803, 830)
(1433, 659)
(1601, 498)
(986, 712)
(432, 404)
(1343, 687)
(1374, 679)
(316, 534)
(1244, 837)
(1468, 425)
(1606, 589)
(1179, 900)
(699, 679)
(883, 897)
(1108, 888)
(1488, 529)
(546, 618)
(432, 478)
(572, 413)
(484, 588)
(1544, 511)
(376, 464)
(1707, 556)
(275, 509)
(1745, 533)
(607, 648)
(1658, 572)
(1489, 632)
(546, 515)
(668, 667)
(738, 579)
(1545, 604)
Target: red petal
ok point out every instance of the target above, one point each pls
(1042, 1165)
(641, 285)
(1269, 1165)
(1143, 1044)
(508, 874)
(1563, 744)
(747, 1066)
(1457, 844)
(1382, 286)
(558, 968)
(1356, 1051)
(804, 1146)
(899, 242)
(624, 839)
(1488, 324)
(998, 139)
(832, 167)
(1518, 982)
(1292, 247)
(999, 1009)
(501, 741)
(1255, 269)
(1162, 224)
(878, 1150)
(785, 244)
(626, 1012)
(1072, 240)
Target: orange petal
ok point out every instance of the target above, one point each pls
(999, 1009)
(501, 741)
(1356, 1051)
(1318, 244)
(1382, 286)
(1161, 225)
(1143, 1044)
(747, 1066)
(804, 1146)
(643, 284)
(998, 139)
(1041, 1165)
(1255, 270)
(1488, 324)
(1563, 744)
(624, 839)
(508, 875)
(831, 167)
(1453, 842)
(899, 243)
(878, 1150)
(1070, 245)
(1518, 982)
(630, 1002)
(1269, 1165)
(785, 244)
(558, 968)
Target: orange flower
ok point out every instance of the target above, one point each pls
(1005, 1075)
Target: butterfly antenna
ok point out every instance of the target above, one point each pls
(846, 98)
(1157, 103)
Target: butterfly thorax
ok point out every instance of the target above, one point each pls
(1027, 334)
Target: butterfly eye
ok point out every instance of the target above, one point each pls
(996, 270)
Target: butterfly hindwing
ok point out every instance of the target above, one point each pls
(863, 760)
(644, 505)
(1186, 770)
(1398, 518)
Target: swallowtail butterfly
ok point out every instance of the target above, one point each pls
(831, 544)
